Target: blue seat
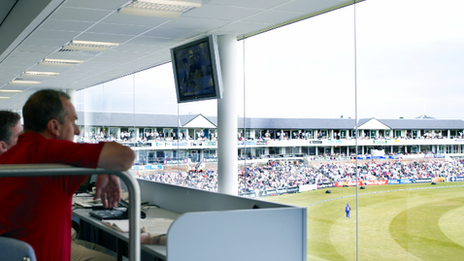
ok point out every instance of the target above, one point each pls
(15, 250)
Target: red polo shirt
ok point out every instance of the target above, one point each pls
(38, 210)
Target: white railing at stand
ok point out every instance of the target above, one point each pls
(38, 170)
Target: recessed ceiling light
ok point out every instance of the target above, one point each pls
(24, 82)
(60, 62)
(89, 46)
(159, 8)
(11, 91)
(39, 74)
(94, 43)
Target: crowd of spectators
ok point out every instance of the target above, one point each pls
(206, 180)
(279, 174)
(208, 135)
(130, 137)
(424, 169)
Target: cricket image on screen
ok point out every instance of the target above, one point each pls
(194, 71)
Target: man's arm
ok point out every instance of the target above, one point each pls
(113, 156)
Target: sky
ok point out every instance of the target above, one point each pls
(382, 58)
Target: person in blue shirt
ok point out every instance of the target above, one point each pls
(347, 210)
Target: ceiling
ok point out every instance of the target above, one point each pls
(32, 30)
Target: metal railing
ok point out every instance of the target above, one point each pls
(38, 170)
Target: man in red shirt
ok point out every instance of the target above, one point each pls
(10, 129)
(38, 210)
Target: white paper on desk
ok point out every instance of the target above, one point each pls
(121, 225)
(156, 226)
(86, 202)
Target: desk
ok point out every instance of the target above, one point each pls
(213, 226)
(154, 212)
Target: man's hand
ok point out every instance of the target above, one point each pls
(109, 190)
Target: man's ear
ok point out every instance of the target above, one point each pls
(54, 128)
(3, 147)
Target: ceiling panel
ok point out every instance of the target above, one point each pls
(31, 41)
(71, 56)
(79, 14)
(61, 37)
(42, 68)
(268, 17)
(66, 25)
(99, 37)
(137, 45)
(152, 21)
(150, 60)
(123, 29)
(195, 23)
(153, 41)
(258, 4)
(44, 50)
(164, 32)
(96, 4)
(7, 73)
(239, 28)
(7, 94)
(29, 57)
(17, 87)
(119, 57)
(306, 6)
(144, 41)
(216, 12)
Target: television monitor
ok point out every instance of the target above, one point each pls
(197, 70)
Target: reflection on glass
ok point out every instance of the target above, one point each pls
(296, 131)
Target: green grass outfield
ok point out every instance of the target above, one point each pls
(396, 222)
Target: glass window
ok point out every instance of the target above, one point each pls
(183, 138)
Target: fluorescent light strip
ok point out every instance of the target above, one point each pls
(160, 8)
(173, 2)
(89, 46)
(11, 91)
(94, 43)
(60, 62)
(24, 82)
(39, 74)
(2, 97)
(146, 12)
